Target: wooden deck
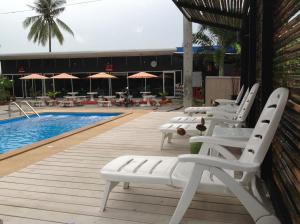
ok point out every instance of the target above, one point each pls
(67, 187)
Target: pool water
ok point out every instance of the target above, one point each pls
(19, 132)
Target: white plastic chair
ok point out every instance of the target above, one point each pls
(168, 130)
(230, 107)
(206, 173)
(236, 101)
(211, 111)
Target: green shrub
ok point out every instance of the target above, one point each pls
(5, 86)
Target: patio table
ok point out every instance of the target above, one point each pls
(145, 93)
(109, 97)
(148, 98)
(92, 95)
(72, 93)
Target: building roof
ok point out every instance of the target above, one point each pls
(88, 54)
(205, 50)
(221, 13)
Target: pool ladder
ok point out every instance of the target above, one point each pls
(19, 106)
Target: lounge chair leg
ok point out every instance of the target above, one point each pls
(126, 185)
(187, 194)
(108, 187)
(170, 136)
(257, 210)
(163, 137)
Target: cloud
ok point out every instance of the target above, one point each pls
(139, 29)
(79, 38)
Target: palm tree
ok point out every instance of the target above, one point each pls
(208, 36)
(45, 24)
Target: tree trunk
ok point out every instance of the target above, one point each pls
(49, 37)
(222, 55)
(187, 63)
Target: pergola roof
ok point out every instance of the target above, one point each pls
(226, 14)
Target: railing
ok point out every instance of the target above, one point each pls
(20, 108)
(25, 102)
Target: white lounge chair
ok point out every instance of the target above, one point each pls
(235, 102)
(249, 97)
(168, 130)
(230, 108)
(209, 111)
(206, 173)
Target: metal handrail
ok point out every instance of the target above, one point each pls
(24, 101)
(18, 106)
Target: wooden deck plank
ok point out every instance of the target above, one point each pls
(67, 187)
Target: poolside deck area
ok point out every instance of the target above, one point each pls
(67, 187)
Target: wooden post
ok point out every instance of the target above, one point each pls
(187, 63)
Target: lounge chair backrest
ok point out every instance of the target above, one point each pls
(243, 113)
(239, 96)
(265, 127)
(242, 102)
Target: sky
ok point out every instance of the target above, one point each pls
(100, 25)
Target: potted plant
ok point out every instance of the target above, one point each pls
(53, 95)
(163, 96)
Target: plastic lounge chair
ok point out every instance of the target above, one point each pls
(227, 101)
(213, 112)
(206, 173)
(224, 119)
(231, 108)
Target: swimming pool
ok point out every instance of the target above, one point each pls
(19, 132)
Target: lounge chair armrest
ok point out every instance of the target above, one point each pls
(220, 114)
(219, 162)
(223, 102)
(219, 141)
(220, 119)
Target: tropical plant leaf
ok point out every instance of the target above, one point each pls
(35, 29)
(56, 33)
(64, 26)
(30, 20)
(44, 33)
(207, 35)
(56, 12)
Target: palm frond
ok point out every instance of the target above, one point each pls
(30, 20)
(56, 33)
(56, 12)
(35, 29)
(201, 38)
(57, 3)
(44, 33)
(64, 26)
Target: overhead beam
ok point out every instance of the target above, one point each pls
(186, 15)
(208, 9)
(227, 27)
